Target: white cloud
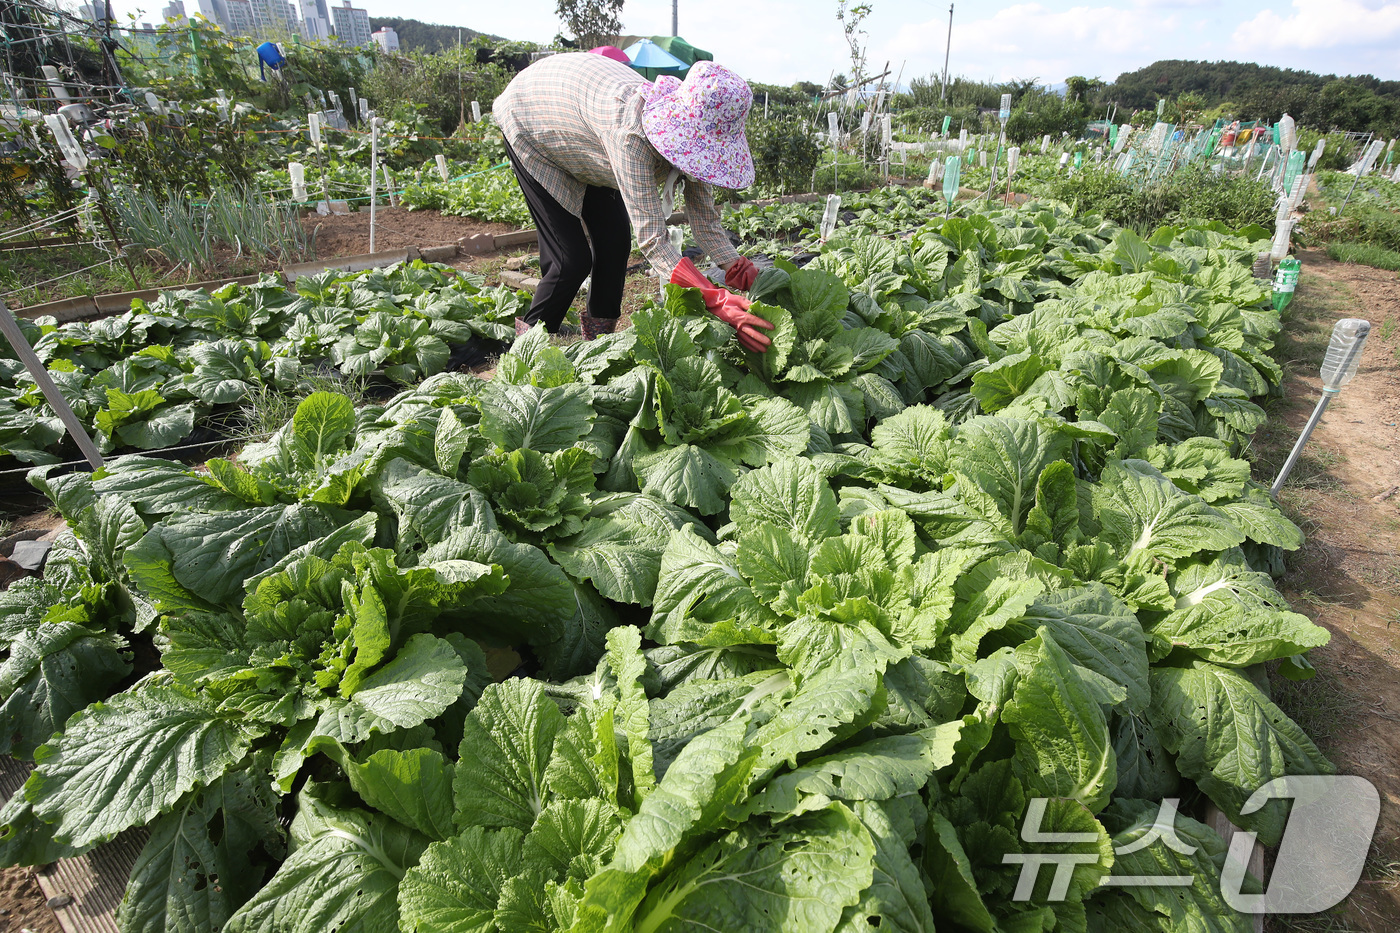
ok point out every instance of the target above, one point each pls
(1323, 24)
(1171, 4)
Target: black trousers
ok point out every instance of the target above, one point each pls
(571, 250)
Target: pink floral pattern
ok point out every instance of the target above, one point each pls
(698, 125)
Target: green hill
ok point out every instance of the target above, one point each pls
(418, 36)
(1361, 103)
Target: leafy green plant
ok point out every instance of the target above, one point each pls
(776, 676)
(148, 377)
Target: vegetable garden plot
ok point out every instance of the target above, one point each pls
(808, 630)
(145, 379)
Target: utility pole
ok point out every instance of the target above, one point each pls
(942, 95)
(675, 17)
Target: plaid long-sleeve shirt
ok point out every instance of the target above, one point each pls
(576, 120)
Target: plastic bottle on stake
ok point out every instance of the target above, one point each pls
(1286, 283)
(1004, 113)
(833, 210)
(1343, 357)
(298, 173)
(73, 153)
(952, 175)
(1338, 367)
(476, 111)
(313, 129)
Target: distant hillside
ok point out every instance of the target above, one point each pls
(418, 36)
(1226, 81)
(1355, 102)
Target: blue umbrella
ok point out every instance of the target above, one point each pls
(647, 54)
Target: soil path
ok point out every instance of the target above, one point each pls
(394, 228)
(1347, 576)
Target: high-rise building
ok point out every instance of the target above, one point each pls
(96, 10)
(351, 24)
(316, 20)
(386, 38)
(174, 13)
(239, 19)
(274, 17)
(314, 27)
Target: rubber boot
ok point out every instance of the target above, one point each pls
(595, 327)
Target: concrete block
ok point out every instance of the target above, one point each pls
(477, 243)
(518, 280)
(68, 309)
(445, 253)
(519, 238)
(350, 263)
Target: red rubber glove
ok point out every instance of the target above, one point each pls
(730, 308)
(741, 274)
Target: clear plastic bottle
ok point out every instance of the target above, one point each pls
(833, 210)
(1344, 352)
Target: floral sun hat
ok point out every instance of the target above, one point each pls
(698, 125)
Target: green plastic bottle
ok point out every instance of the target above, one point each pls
(1286, 282)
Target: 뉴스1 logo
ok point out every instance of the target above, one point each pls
(1319, 861)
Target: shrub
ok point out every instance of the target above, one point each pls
(441, 86)
(784, 152)
(1192, 194)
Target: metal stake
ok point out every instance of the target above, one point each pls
(1369, 137)
(9, 326)
(373, 173)
(1322, 403)
(1328, 393)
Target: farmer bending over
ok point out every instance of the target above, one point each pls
(591, 142)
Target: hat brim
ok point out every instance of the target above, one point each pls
(723, 161)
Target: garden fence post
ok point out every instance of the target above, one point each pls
(9, 326)
(374, 123)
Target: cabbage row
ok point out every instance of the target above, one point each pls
(805, 635)
(147, 378)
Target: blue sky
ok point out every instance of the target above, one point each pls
(780, 41)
